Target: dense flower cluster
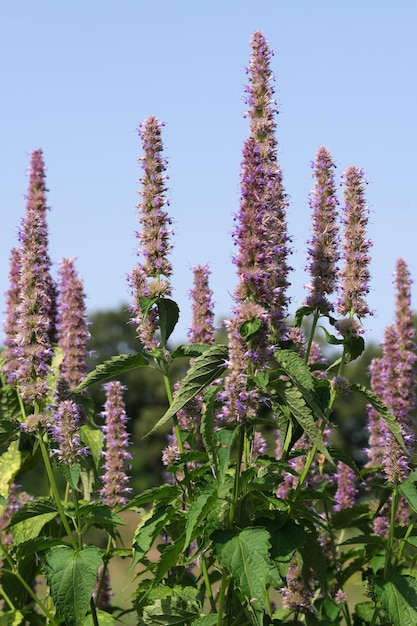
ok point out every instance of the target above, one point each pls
(36, 310)
(72, 325)
(151, 277)
(323, 246)
(117, 458)
(66, 432)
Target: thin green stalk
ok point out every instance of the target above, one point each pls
(94, 612)
(391, 537)
(55, 492)
(222, 596)
(207, 583)
(236, 484)
(312, 332)
(8, 601)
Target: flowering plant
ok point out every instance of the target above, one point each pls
(263, 518)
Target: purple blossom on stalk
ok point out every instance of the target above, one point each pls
(66, 432)
(202, 329)
(355, 273)
(346, 488)
(323, 246)
(36, 311)
(297, 595)
(10, 325)
(72, 325)
(151, 277)
(396, 384)
(117, 458)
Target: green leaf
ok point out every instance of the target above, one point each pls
(11, 408)
(246, 556)
(206, 620)
(113, 367)
(383, 411)
(296, 368)
(249, 328)
(163, 493)
(398, 597)
(11, 618)
(197, 511)
(304, 416)
(10, 464)
(93, 438)
(301, 312)
(35, 545)
(31, 527)
(168, 559)
(104, 619)
(408, 489)
(72, 577)
(168, 606)
(205, 369)
(39, 506)
(353, 348)
(189, 350)
(168, 313)
(148, 530)
(71, 473)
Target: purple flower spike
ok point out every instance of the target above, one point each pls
(323, 246)
(36, 311)
(72, 325)
(202, 329)
(346, 488)
(10, 325)
(65, 430)
(151, 278)
(116, 456)
(355, 273)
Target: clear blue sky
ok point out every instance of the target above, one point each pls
(78, 78)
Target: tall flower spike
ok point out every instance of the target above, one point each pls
(72, 325)
(36, 312)
(355, 274)
(323, 246)
(202, 329)
(117, 458)
(262, 259)
(151, 277)
(65, 430)
(10, 325)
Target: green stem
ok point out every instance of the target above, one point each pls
(8, 601)
(208, 584)
(55, 492)
(311, 337)
(94, 612)
(236, 484)
(222, 596)
(391, 536)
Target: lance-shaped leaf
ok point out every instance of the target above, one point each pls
(302, 413)
(382, 410)
(168, 313)
(205, 369)
(72, 577)
(197, 511)
(113, 367)
(246, 556)
(398, 597)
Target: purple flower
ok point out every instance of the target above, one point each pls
(394, 381)
(72, 325)
(116, 456)
(36, 311)
(10, 325)
(346, 488)
(202, 330)
(297, 595)
(65, 430)
(151, 277)
(323, 245)
(355, 272)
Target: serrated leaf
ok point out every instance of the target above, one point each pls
(204, 370)
(163, 493)
(148, 530)
(249, 328)
(197, 510)
(72, 577)
(384, 412)
(35, 545)
(113, 367)
(300, 313)
(168, 313)
(189, 350)
(168, 606)
(94, 439)
(168, 559)
(71, 473)
(31, 527)
(33, 508)
(398, 597)
(246, 556)
(10, 405)
(304, 416)
(296, 368)
(206, 620)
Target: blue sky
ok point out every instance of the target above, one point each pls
(79, 77)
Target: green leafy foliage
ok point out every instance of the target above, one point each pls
(113, 367)
(72, 576)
